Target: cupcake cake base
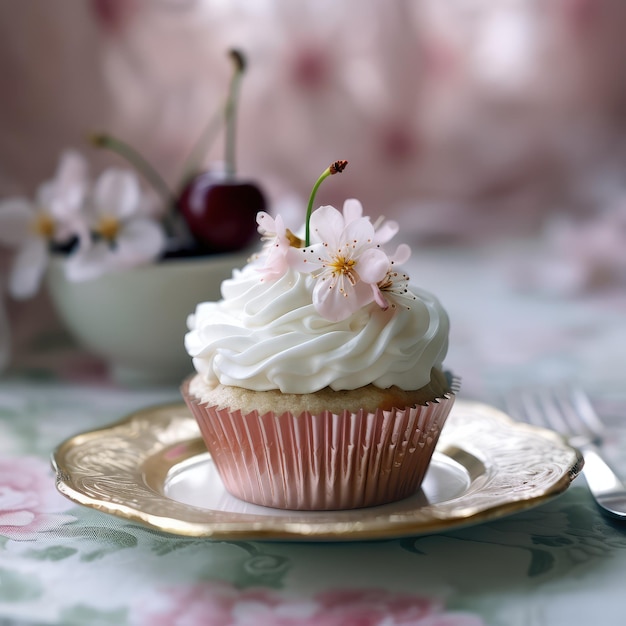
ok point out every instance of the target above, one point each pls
(325, 460)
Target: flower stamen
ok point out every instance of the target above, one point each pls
(43, 225)
(108, 228)
(294, 240)
(397, 285)
(341, 267)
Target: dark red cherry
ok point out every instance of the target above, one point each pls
(221, 212)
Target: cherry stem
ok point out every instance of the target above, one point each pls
(209, 134)
(230, 112)
(334, 168)
(133, 157)
(139, 163)
(201, 147)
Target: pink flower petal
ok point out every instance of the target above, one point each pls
(358, 234)
(372, 265)
(69, 186)
(387, 231)
(306, 260)
(326, 224)
(266, 223)
(380, 300)
(89, 262)
(29, 503)
(42, 522)
(71, 171)
(277, 251)
(336, 305)
(401, 255)
(45, 194)
(214, 603)
(140, 241)
(352, 210)
(117, 193)
(16, 518)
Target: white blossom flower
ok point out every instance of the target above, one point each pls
(121, 236)
(33, 227)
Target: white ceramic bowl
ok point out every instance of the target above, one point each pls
(136, 319)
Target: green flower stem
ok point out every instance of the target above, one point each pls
(139, 163)
(335, 168)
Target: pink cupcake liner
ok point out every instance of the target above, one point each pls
(325, 461)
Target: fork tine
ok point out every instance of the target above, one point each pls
(521, 406)
(573, 426)
(565, 409)
(587, 412)
(517, 405)
(555, 417)
(568, 410)
(537, 407)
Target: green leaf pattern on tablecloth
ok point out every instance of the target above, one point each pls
(81, 615)
(108, 540)
(51, 553)
(16, 587)
(558, 536)
(253, 565)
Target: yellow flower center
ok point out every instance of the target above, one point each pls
(43, 225)
(341, 266)
(108, 227)
(294, 240)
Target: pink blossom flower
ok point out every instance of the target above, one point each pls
(222, 604)
(384, 230)
(347, 264)
(395, 283)
(278, 249)
(29, 503)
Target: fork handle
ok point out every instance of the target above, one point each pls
(606, 487)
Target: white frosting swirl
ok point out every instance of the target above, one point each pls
(267, 335)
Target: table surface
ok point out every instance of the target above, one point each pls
(559, 563)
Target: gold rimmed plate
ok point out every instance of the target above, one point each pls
(152, 467)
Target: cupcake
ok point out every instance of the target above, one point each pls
(319, 378)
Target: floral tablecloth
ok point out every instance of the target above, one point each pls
(559, 563)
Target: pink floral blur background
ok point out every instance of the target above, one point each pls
(465, 121)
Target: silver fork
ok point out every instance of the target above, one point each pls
(568, 411)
